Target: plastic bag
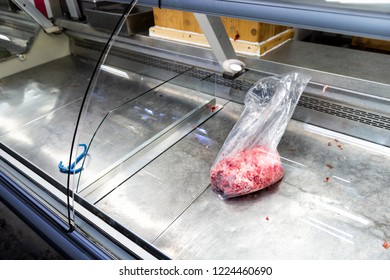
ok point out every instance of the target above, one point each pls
(248, 160)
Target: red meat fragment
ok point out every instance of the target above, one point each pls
(327, 179)
(246, 172)
(267, 218)
(236, 37)
(329, 166)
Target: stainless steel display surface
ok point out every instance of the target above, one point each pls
(38, 118)
(37, 92)
(38, 114)
(331, 204)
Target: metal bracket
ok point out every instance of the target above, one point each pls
(36, 15)
(216, 35)
(74, 9)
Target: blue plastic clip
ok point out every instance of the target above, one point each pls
(71, 169)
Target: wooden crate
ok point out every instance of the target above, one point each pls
(248, 37)
(374, 44)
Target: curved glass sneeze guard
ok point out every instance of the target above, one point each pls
(140, 110)
(131, 106)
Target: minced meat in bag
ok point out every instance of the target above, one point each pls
(248, 160)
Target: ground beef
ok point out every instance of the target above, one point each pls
(246, 171)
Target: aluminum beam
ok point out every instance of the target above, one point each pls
(37, 16)
(362, 20)
(219, 41)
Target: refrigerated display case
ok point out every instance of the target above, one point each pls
(107, 144)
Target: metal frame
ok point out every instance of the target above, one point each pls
(74, 9)
(46, 224)
(36, 15)
(23, 189)
(219, 41)
(315, 15)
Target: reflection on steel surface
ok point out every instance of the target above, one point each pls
(326, 230)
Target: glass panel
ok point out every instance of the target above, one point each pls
(136, 98)
(128, 128)
(70, 167)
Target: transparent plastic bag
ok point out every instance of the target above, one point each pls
(248, 160)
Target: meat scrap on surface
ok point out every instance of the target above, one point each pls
(329, 166)
(327, 179)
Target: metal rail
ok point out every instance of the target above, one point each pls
(363, 20)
